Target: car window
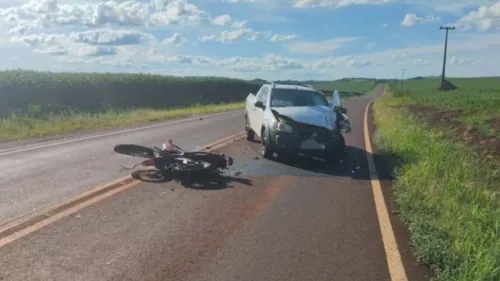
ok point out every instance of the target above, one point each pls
(293, 97)
(265, 95)
(259, 93)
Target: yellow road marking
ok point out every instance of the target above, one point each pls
(19, 227)
(394, 262)
(32, 228)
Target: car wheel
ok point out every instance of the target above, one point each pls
(266, 149)
(337, 153)
(286, 157)
(249, 134)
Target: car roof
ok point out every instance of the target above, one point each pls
(292, 87)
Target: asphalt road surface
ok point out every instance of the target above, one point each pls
(35, 176)
(261, 220)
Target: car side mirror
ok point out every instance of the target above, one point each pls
(342, 110)
(259, 104)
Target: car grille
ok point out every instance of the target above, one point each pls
(306, 131)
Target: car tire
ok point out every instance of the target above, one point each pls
(266, 149)
(286, 158)
(337, 153)
(249, 133)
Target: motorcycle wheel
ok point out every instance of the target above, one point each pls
(134, 150)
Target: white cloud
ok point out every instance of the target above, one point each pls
(357, 62)
(241, 1)
(442, 6)
(231, 36)
(42, 14)
(90, 37)
(321, 47)
(270, 62)
(448, 6)
(485, 18)
(176, 39)
(79, 51)
(456, 60)
(280, 37)
(335, 3)
(399, 55)
(413, 19)
(110, 37)
(420, 62)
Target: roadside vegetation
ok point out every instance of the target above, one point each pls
(34, 124)
(39, 104)
(445, 147)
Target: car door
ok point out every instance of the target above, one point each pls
(336, 100)
(259, 112)
(252, 111)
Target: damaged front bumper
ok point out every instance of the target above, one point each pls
(310, 143)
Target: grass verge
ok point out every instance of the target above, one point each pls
(447, 196)
(33, 124)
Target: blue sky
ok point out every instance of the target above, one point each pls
(270, 39)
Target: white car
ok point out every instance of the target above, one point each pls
(295, 119)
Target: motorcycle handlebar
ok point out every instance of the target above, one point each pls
(162, 152)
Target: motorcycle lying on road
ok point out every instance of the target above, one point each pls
(174, 160)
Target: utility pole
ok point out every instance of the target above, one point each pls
(402, 76)
(446, 28)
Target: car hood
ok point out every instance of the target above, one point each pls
(322, 116)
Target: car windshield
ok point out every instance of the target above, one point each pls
(293, 97)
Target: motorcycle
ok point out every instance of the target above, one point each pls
(172, 159)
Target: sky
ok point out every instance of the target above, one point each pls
(268, 39)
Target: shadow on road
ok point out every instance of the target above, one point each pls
(205, 181)
(211, 181)
(354, 165)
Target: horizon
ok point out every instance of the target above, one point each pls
(250, 79)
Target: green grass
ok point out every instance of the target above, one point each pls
(447, 196)
(478, 98)
(34, 124)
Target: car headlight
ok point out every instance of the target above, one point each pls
(284, 127)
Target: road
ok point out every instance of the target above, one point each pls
(35, 176)
(261, 220)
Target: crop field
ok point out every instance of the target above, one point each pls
(476, 102)
(39, 104)
(93, 92)
(445, 150)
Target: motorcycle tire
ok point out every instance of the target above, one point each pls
(134, 150)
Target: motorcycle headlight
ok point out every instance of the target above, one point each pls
(284, 127)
